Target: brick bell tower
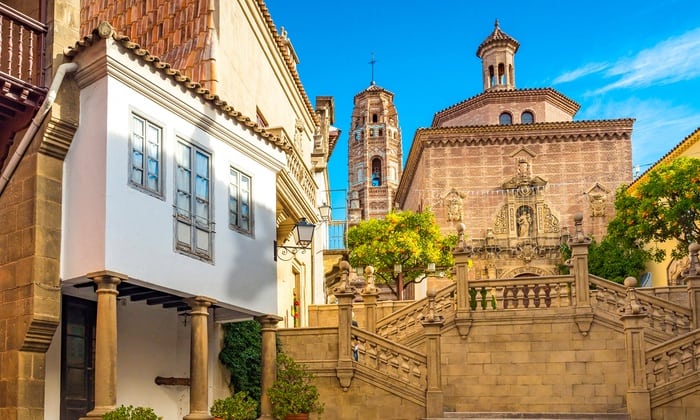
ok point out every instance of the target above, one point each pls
(374, 154)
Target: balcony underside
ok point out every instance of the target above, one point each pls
(19, 102)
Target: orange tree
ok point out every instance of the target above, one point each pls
(666, 206)
(402, 237)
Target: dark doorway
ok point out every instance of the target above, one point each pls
(77, 357)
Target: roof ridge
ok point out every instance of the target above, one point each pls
(105, 30)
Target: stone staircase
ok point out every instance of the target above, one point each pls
(576, 344)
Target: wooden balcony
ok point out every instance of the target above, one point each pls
(21, 73)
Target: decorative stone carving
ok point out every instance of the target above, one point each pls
(550, 222)
(500, 226)
(524, 222)
(453, 205)
(598, 200)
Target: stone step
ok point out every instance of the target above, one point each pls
(531, 416)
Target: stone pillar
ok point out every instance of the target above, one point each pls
(268, 362)
(692, 282)
(432, 323)
(463, 315)
(345, 294)
(105, 342)
(579, 244)
(199, 360)
(370, 293)
(633, 318)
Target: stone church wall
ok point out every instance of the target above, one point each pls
(570, 169)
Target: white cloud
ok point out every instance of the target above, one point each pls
(580, 72)
(669, 61)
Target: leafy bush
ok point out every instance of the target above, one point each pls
(131, 413)
(240, 406)
(292, 392)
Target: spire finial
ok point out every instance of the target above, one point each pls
(496, 25)
(372, 61)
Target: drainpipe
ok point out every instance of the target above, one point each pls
(36, 122)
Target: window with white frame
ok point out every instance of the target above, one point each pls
(145, 158)
(239, 201)
(194, 228)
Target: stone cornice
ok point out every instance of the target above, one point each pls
(288, 59)
(523, 134)
(105, 31)
(547, 94)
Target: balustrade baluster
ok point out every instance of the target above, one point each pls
(10, 38)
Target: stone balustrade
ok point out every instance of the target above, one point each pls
(521, 293)
(391, 360)
(663, 317)
(406, 322)
(673, 360)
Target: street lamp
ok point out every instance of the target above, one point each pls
(325, 212)
(303, 234)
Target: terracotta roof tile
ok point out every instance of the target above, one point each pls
(105, 30)
(497, 37)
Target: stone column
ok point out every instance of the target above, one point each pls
(199, 360)
(105, 342)
(345, 294)
(432, 323)
(463, 315)
(579, 244)
(370, 293)
(633, 317)
(692, 282)
(268, 362)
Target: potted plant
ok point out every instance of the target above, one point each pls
(131, 413)
(292, 395)
(239, 406)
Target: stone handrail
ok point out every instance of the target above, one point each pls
(522, 293)
(392, 361)
(663, 317)
(673, 360)
(406, 321)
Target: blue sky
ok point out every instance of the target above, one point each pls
(616, 59)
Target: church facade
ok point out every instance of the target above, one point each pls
(510, 168)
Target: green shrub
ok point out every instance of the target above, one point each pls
(292, 392)
(240, 406)
(131, 413)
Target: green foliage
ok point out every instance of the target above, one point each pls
(292, 392)
(241, 354)
(240, 406)
(663, 207)
(612, 258)
(131, 413)
(615, 260)
(403, 237)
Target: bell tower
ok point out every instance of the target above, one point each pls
(497, 54)
(374, 154)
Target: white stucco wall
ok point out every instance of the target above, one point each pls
(110, 225)
(152, 342)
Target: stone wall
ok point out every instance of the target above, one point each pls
(526, 364)
(687, 407)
